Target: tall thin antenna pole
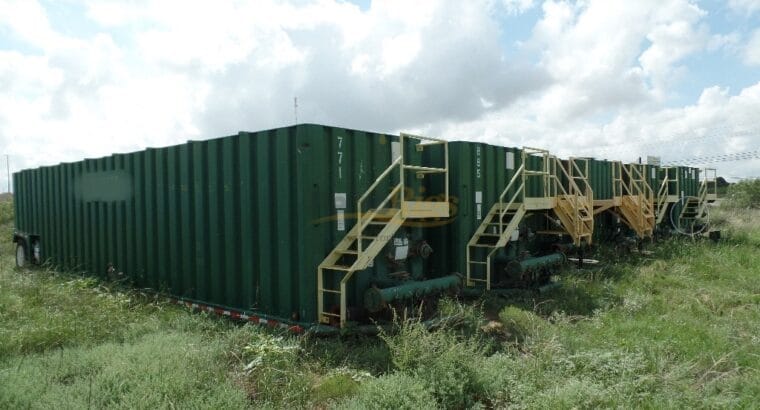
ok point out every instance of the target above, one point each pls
(8, 169)
(295, 109)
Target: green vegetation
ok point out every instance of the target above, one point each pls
(676, 328)
(6, 222)
(744, 194)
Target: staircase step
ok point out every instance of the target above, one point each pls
(364, 237)
(480, 245)
(348, 251)
(331, 291)
(479, 263)
(338, 267)
(496, 211)
(551, 232)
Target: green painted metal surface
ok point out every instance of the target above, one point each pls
(688, 181)
(479, 174)
(241, 221)
(653, 177)
(600, 178)
(519, 267)
(375, 299)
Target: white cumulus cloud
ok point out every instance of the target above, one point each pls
(752, 50)
(589, 74)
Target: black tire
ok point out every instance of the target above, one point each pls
(36, 258)
(21, 261)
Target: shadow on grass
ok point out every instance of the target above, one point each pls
(572, 299)
(368, 353)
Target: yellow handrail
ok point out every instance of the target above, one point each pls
(638, 187)
(502, 212)
(583, 176)
(374, 185)
(630, 191)
(617, 179)
(399, 188)
(424, 142)
(662, 195)
(573, 187)
(380, 178)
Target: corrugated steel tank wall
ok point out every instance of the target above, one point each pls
(479, 174)
(243, 221)
(653, 177)
(240, 221)
(600, 178)
(688, 181)
(671, 174)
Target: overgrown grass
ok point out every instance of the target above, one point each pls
(743, 194)
(6, 226)
(741, 226)
(676, 328)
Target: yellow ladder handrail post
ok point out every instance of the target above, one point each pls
(503, 209)
(383, 175)
(587, 192)
(401, 170)
(446, 166)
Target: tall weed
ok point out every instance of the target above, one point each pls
(445, 362)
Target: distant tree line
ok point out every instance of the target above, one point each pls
(743, 194)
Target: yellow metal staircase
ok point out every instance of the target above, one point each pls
(663, 198)
(710, 185)
(694, 208)
(637, 202)
(375, 227)
(497, 227)
(573, 206)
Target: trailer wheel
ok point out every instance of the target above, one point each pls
(36, 252)
(20, 256)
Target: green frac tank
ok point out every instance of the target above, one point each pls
(248, 223)
(239, 222)
(480, 174)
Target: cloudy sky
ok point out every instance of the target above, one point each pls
(614, 79)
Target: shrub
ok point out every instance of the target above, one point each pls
(395, 391)
(275, 373)
(333, 386)
(744, 194)
(6, 212)
(445, 362)
(520, 324)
